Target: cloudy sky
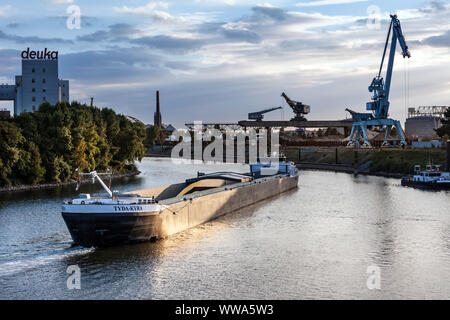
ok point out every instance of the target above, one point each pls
(217, 60)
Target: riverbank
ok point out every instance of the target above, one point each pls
(389, 163)
(60, 184)
(346, 169)
(158, 155)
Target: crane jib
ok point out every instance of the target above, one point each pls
(379, 106)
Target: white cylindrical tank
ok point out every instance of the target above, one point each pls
(422, 127)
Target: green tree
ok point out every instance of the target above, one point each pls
(445, 128)
(155, 135)
(320, 133)
(49, 144)
(331, 132)
(10, 139)
(20, 161)
(28, 169)
(129, 142)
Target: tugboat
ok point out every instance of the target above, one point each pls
(430, 178)
(156, 213)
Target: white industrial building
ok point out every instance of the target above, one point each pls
(38, 83)
(422, 122)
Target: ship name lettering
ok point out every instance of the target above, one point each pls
(126, 208)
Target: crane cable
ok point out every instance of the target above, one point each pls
(406, 81)
(404, 89)
(408, 75)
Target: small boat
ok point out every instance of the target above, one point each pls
(156, 213)
(430, 178)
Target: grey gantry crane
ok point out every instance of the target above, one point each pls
(299, 108)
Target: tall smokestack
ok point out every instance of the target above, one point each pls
(157, 118)
(157, 101)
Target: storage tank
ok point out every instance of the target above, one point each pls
(422, 127)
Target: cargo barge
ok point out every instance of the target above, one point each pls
(156, 213)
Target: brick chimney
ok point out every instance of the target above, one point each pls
(157, 118)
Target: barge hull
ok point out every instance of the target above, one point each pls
(425, 185)
(102, 230)
(107, 229)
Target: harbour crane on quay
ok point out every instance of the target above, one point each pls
(299, 108)
(380, 100)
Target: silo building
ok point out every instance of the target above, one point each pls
(38, 83)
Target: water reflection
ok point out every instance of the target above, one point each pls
(314, 242)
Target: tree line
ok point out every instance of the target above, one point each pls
(155, 136)
(48, 145)
(444, 130)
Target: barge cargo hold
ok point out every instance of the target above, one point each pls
(157, 213)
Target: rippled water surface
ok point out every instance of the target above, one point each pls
(312, 243)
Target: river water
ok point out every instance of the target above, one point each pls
(315, 242)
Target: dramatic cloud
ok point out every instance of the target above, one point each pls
(178, 65)
(153, 11)
(240, 34)
(327, 2)
(209, 27)
(3, 10)
(13, 25)
(105, 67)
(264, 11)
(168, 43)
(116, 32)
(262, 14)
(438, 5)
(129, 34)
(164, 17)
(216, 62)
(86, 21)
(148, 9)
(264, 21)
(8, 55)
(31, 39)
(60, 1)
(310, 44)
(438, 41)
(9, 65)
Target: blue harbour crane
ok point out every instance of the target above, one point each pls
(380, 100)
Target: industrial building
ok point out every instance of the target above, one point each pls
(423, 121)
(4, 113)
(38, 83)
(157, 119)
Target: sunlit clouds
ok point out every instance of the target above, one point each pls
(218, 60)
